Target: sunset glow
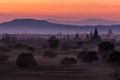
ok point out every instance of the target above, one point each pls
(108, 9)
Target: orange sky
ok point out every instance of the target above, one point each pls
(80, 9)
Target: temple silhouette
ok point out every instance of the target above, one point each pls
(95, 37)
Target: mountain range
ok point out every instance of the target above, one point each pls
(98, 21)
(90, 21)
(44, 26)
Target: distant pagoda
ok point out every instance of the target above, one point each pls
(77, 36)
(110, 35)
(91, 33)
(95, 36)
(88, 36)
(110, 32)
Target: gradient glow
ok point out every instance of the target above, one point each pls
(80, 9)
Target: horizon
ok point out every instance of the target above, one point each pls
(73, 10)
(91, 21)
(71, 13)
(33, 26)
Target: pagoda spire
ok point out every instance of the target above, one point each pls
(110, 31)
(96, 32)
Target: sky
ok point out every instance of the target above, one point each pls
(60, 9)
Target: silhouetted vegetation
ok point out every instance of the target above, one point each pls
(65, 46)
(8, 39)
(49, 54)
(59, 55)
(53, 42)
(89, 57)
(68, 61)
(26, 60)
(82, 54)
(114, 60)
(105, 48)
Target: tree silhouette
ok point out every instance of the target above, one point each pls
(105, 48)
(82, 54)
(68, 61)
(8, 39)
(90, 57)
(114, 60)
(49, 54)
(3, 57)
(53, 42)
(25, 60)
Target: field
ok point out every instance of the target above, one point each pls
(52, 70)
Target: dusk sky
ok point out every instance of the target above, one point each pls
(63, 9)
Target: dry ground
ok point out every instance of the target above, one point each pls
(50, 69)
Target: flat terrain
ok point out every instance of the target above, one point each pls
(50, 69)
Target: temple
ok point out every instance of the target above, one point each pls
(95, 36)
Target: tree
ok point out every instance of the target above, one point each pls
(53, 42)
(105, 48)
(90, 57)
(8, 39)
(68, 61)
(114, 60)
(25, 60)
(81, 54)
(49, 54)
(3, 57)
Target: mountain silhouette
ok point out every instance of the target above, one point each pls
(43, 26)
(98, 21)
(30, 25)
(91, 21)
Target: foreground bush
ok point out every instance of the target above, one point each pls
(25, 60)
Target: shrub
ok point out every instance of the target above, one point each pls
(25, 60)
